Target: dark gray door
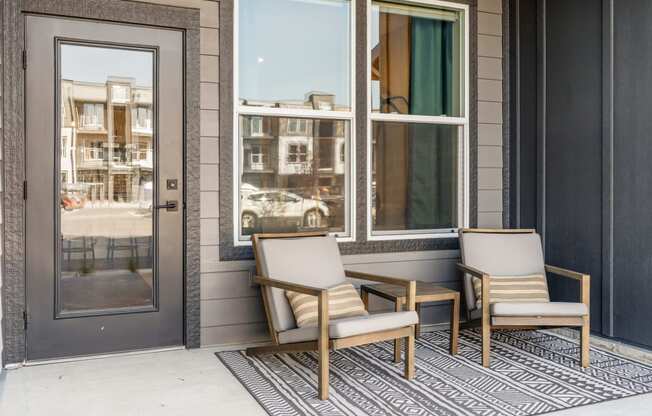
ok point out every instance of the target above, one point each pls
(104, 210)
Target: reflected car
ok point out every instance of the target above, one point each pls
(281, 206)
(72, 200)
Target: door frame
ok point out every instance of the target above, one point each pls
(13, 146)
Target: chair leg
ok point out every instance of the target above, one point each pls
(322, 345)
(323, 369)
(397, 341)
(455, 324)
(486, 345)
(409, 356)
(585, 345)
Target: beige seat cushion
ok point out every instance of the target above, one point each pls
(343, 302)
(346, 327)
(539, 309)
(528, 288)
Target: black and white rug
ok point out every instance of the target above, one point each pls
(532, 372)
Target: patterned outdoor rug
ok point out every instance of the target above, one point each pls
(531, 373)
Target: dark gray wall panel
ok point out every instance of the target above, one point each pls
(525, 122)
(573, 145)
(632, 282)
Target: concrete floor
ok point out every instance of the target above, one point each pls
(178, 382)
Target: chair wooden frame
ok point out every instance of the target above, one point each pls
(324, 343)
(527, 322)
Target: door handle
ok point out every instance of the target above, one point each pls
(170, 206)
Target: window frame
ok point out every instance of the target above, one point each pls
(350, 224)
(463, 122)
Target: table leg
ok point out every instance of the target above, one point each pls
(417, 328)
(397, 341)
(455, 323)
(365, 297)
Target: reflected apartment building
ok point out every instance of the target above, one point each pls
(303, 156)
(106, 141)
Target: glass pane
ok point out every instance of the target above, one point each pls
(294, 174)
(295, 53)
(106, 179)
(415, 60)
(414, 177)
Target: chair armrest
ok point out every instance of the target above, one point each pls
(585, 280)
(484, 278)
(377, 278)
(294, 287)
(565, 272)
(471, 270)
(409, 285)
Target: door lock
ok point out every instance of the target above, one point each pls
(170, 206)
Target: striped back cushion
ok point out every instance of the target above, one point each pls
(529, 288)
(343, 302)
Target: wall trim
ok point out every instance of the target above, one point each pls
(507, 88)
(607, 166)
(541, 120)
(13, 289)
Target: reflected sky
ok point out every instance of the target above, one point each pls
(290, 47)
(96, 64)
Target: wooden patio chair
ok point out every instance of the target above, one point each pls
(309, 263)
(488, 255)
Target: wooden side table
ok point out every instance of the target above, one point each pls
(426, 292)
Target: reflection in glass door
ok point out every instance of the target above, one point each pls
(107, 180)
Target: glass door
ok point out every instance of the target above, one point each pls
(104, 109)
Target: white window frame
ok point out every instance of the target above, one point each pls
(349, 234)
(462, 121)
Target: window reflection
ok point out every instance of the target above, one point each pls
(289, 47)
(107, 176)
(414, 177)
(415, 60)
(293, 174)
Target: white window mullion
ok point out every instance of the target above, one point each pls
(408, 118)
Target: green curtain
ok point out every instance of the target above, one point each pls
(432, 149)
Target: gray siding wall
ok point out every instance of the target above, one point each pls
(231, 309)
(490, 113)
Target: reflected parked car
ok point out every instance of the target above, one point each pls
(72, 199)
(281, 206)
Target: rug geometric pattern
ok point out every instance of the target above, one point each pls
(532, 372)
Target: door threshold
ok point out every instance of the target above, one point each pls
(31, 363)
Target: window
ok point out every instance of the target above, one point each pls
(94, 151)
(91, 116)
(257, 157)
(297, 126)
(256, 126)
(297, 153)
(290, 108)
(141, 119)
(418, 122)
(143, 151)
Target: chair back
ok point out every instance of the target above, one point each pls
(310, 258)
(500, 252)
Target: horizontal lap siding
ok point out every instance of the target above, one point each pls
(231, 310)
(490, 114)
